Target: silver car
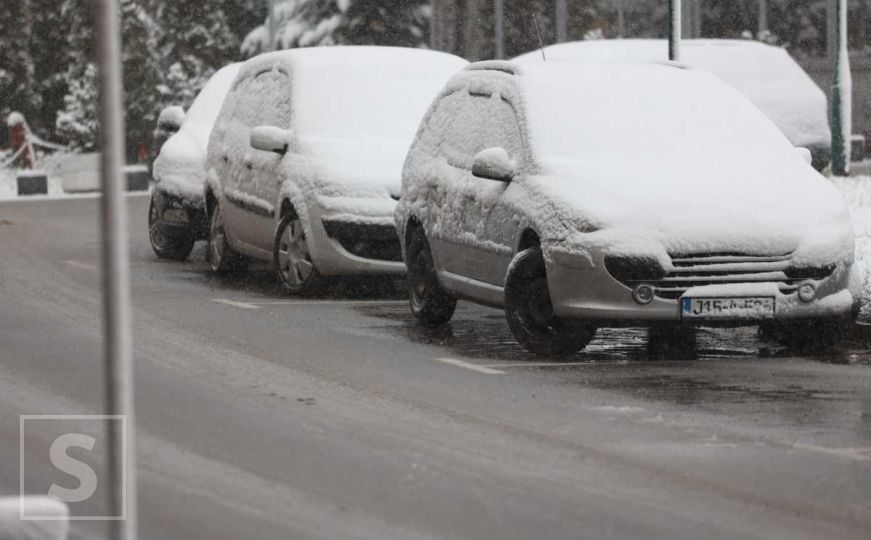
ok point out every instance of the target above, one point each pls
(305, 158)
(579, 196)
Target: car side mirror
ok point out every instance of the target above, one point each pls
(271, 139)
(494, 164)
(804, 154)
(170, 119)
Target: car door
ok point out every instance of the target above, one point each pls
(252, 189)
(487, 212)
(450, 163)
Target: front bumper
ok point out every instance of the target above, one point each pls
(588, 291)
(354, 236)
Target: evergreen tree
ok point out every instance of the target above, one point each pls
(77, 122)
(195, 41)
(18, 91)
(306, 23)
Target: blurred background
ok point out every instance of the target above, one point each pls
(172, 47)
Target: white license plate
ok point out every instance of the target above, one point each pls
(754, 307)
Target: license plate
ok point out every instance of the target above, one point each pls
(754, 307)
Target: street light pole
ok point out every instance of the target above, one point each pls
(270, 22)
(120, 454)
(674, 30)
(562, 24)
(621, 23)
(499, 27)
(842, 89)
(763, 18)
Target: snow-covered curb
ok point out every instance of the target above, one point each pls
(857, 192)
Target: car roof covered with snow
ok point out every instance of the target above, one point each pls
(766, 74)
(359, 91)
(180, 166)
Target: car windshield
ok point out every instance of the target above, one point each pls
(368, 96)
(645, 114)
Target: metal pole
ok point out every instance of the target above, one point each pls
(842, 89)
(697, 18)
(270, 22)
(621, 22)
(763, 18)
(115, 274)
(562, 21)
(499, 27)
(674, 30)
(434, 41)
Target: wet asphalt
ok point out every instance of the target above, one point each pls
(267, 416)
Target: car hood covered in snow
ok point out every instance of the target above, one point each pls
(671, 160)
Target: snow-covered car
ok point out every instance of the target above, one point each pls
(305, 160)
(176, 215)
(580, 196)
(767, 75)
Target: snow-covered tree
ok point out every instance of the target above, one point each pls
(18, 91)
(195, 41)
(304, 23)
(77, 122)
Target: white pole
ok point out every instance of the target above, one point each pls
(621, 22)
(842, 90)
(562, 23)
(270, 22)
(116, 275)
(434, 26)
(763, 17)
(674, 30)
(499, 27)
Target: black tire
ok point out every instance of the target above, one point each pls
(221, 257)
(175, 245)
(431, 304)
(530, 314)
(291, 258)
(809, 335)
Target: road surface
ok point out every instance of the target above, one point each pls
(266, 416)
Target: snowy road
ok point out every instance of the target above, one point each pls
(263, 416)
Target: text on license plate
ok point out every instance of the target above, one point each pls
(756, 307)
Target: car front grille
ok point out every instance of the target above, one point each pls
(366, 240)
(698, 270)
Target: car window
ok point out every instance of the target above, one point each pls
(463, 124)
(265, 100)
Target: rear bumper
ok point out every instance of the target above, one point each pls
(180, 215)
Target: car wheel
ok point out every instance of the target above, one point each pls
(431, 304)
(222, 259)
(530, 313)
(173, 245)
(292, 258)
(808, 335)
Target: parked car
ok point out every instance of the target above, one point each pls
(305, 159)
(578, 196)
(176, 215)
(767, 75)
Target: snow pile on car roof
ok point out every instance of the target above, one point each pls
(361, 92)
(181, 163)
(765, 74)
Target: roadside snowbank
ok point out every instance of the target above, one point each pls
(857, 192)
(9, 185)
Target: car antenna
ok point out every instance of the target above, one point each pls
(540, 41)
